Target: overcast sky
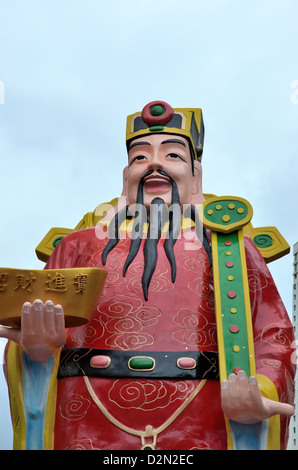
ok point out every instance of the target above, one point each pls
(70, 73)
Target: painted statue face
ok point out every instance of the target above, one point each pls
(160, 152)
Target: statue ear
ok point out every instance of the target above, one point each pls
(197, 192)
(124, 188)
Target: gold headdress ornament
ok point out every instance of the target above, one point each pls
(160, 117)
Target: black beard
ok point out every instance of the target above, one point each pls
(159, 215)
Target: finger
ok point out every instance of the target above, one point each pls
(49, 317)
(228, 392)
(60, 322)
(233, 386)
(225, 397)
(242, 375)
(243, 385)
(37, 310)
(26, 320)
(255, 393)
(250, 393)
(254, 387)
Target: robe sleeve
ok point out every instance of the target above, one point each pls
(68, 253)
(274, 339)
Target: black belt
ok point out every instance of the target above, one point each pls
(138, 364)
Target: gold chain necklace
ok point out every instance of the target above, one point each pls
(149, 432)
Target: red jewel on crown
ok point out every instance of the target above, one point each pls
(157, 113)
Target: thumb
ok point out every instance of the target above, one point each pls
(14, 334)
(278, 408)
(285, 409)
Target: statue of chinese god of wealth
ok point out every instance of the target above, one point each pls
(189, 344)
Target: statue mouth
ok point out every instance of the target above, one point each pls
(157, 184)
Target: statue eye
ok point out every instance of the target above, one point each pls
(138, 157)
(174, 155)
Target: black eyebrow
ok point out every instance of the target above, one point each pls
(138, 143)
(174, 141)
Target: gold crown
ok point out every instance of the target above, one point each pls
(160, 117)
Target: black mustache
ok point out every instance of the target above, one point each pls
(159, 215)
(137, 231)
(154, 232)
(174, 229)
(150, 246)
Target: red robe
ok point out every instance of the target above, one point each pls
(177, 317)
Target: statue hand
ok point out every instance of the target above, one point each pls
(242, 402)
(42, 330)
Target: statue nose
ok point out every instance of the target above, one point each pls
(155, 163)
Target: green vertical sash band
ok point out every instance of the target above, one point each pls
(225, 217)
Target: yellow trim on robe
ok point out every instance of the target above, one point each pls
(14, 378)
(268, 390)
(51, 405)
